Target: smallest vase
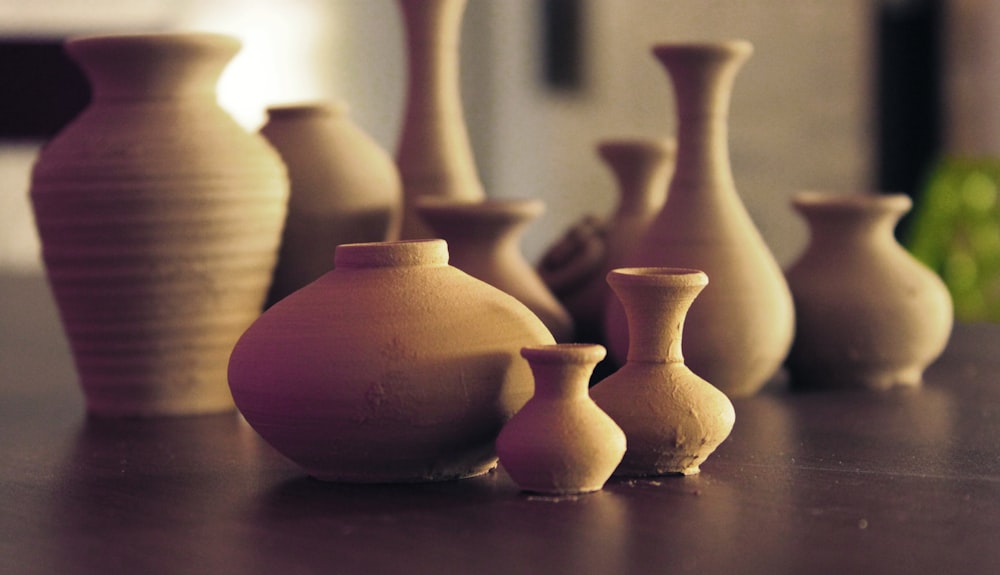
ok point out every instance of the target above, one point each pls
(869, 315)
(560, 442)
(673, 418)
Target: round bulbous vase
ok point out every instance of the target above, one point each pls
(392, 367)
(740, 329)
(869, 315)
(159, 218)
(673, 418)
(576, 266)
(435, 157)
(344, 189)
(560, 442)
(484, 241)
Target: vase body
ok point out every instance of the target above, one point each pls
(344, 189)
(575, 268)
(159, 218)
(435, 157)
(740, 329)
(484, 242)
(392, 367)
(868, 314)
(673, 418)
(560, 442)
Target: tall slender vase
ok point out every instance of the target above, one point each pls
(740, 329)
(673, 418)
(159, 219)
(484, 240)
(560, 442)
(435, 157)
(869, 315)
(345, 189)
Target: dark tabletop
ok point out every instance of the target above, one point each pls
(899, 482)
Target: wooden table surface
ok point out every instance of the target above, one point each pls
(900, 482)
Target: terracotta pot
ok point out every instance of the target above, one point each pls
(576, 266)
(740, 330)
(435, 158)
(159, 218)
(393, 367)
(673, 418)
(345, 189)
(484, 240)
(869, 315)
(560, 442)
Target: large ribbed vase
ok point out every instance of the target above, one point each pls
(740, 329)
(435, 157)
(159, 219)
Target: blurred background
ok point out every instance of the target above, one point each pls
(852, 96)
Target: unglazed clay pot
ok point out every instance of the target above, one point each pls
(740, 329)
(576, 266)
(484, 240)
(345, 189)
(673, 418)
(393, 367)
(159, 219)
(869, 315)
(560, 442)
(435, 157)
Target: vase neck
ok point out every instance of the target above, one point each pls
(153, 66)
(495, 225)
(562, 371)
(851, 218)
(702, 77)
(400, 254)
(656, 302)
(642, 170)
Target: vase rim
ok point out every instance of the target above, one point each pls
(658, 146)
(391, 254)
(814, 200)
(579, 353)
(208, 39)
(292, 110)
(665, 276)
(488, 208)
(736, 47)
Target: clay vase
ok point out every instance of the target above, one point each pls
(392, 367)
(673, 418)
(435, 157)
(869, 315)
(560, 442)
(484, 241)
(576, 266)
(344, 189)
(740, 329)
(159, 219)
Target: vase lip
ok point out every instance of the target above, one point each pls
(206, 39)
(846, 202)
(727, 48)
(661, 276)
(657, 147)
(292, 110)
(391, 254)
(576, 353)
(488, 209)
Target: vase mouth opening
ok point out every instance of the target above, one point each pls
(394, 254)
(487, 210)
(663, 276)
(294, 110)
(562, 353)
(638, 147)
(208, 40)
(718, 50)
(814, 201)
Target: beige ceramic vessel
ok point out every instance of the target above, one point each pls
(869, 315)
(576, 266)
(435, 157)
(484, 240)
(560, 442)
(159, 219)
(673, 418)
(345, 189)
(393, 367)
(740, 329)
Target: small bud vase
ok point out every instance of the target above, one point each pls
(345, 189)
(484, 241)
(740, 329)
(392, 367)
(560, 442)
(159, 218)
(869, 315)
(673, 418)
